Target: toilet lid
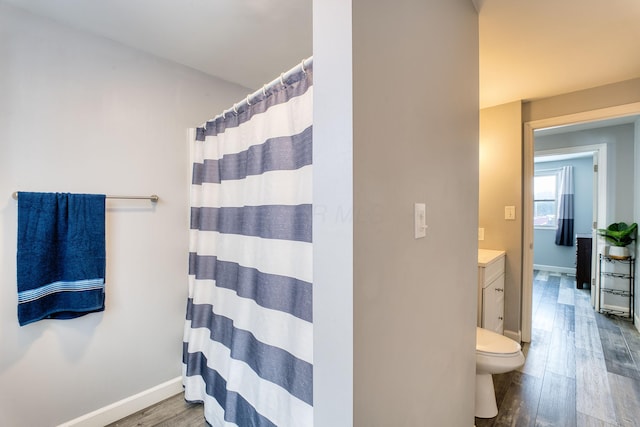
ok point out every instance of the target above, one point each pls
(491, 342)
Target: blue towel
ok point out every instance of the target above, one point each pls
(61, 255)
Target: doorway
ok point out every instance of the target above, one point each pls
(589, 163)
(625, 113)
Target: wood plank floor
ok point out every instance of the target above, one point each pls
(582, 368)
(173, 412)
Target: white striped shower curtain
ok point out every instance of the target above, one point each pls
(248, 340)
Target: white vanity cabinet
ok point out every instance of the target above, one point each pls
(491, 289)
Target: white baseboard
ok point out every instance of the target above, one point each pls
(554, 269)
(127, 406)
(516, 336)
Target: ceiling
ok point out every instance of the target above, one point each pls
(528, 48)
(248, 42)
(538, 48)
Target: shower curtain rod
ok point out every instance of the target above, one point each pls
(154, 198)
(303, 65)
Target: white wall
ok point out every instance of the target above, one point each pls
(333, 214)
(83, 114)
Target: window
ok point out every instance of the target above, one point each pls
(545, 196)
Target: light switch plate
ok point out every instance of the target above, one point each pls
(420, 220)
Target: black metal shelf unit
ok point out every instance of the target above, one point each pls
(625, 276)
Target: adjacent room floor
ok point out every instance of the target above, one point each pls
(582, 368)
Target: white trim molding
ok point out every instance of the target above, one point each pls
(127, 406)
(555, 269)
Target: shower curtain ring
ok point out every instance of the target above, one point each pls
(264, 90)
(235, 109)
(302, 66)
(282, 79)
(248, 103)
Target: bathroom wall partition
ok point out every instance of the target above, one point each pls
(248, 341)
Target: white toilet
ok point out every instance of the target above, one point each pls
(495, 354)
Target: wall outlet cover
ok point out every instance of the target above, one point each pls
(510, 212)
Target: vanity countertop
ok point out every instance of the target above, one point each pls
(487, 256)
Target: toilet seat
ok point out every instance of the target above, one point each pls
(489, 343)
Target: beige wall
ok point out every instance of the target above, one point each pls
(611, 95)
(501, 185)
(415, 107)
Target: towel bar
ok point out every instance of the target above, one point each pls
(154, 198)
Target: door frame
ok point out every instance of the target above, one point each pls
(527, 189)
